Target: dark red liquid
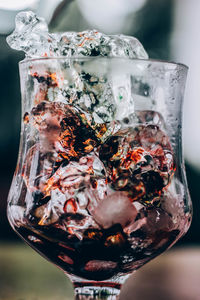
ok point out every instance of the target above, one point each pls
(101, 254)
(94, 199)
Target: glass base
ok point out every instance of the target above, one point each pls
(88, 289)
(100, 291)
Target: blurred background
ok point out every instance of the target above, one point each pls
(168, 30)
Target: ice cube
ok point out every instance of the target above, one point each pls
(94, 43)
(126, 46)
(53, 209)
(157, 219)
(114, 209)
(143, 117)
(138, 160)
(150, 117)
(153, 228)
(31, 35)
(64, 129)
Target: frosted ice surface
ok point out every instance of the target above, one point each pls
(115, 209)
(31, 36)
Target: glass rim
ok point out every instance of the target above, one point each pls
(159, 61)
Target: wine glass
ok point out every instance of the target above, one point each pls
(100, 187)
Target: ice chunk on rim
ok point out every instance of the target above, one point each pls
(31, 36)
